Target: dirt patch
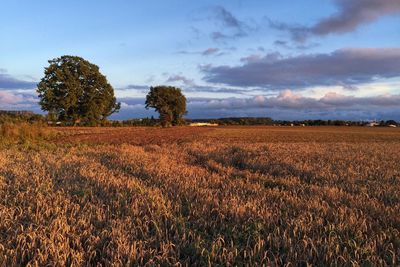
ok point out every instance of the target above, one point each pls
(128, 135)
(227, 135)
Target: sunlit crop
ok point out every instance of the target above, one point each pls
(225, 196)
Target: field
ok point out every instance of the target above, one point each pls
(252, 196)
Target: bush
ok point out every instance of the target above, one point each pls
(24, 132)
(20, 116)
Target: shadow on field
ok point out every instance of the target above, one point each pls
(103, 204)
(197, 213)
(237, 158)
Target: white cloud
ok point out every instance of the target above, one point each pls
(17, 100)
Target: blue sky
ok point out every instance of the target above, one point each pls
(305, 59)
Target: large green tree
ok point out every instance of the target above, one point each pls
(169, 102)
(73, 89)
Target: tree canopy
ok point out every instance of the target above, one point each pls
(169, 102)
(73, 89)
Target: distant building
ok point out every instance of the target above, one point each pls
(372, 124)
(199, 124)
(58, 123)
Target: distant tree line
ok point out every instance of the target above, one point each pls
(238, 121)
(30, 117)
(334, 123)
(322, 122)
(271, 122)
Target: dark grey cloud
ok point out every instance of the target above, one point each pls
(290, 105)
(216, 89)
(282, 43)
(286, 105)
(185, 52)
(338, 100)
(210, 51)
(349, 16)
(345, 67)
(190, 87)
(230, 26)
(353, 13)
(297, 46)
(180, 78)
(132, 107)
(299, 33)
(226, 25)
(134, 87)
(220, 36)
(9, 82)
(226, 17)
(251, 58)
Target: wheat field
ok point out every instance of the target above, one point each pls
(233, 196)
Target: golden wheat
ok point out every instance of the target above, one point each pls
(230, 196)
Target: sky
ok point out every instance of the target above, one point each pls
(289, 60)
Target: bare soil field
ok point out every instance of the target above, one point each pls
(128, 135)
(187, 196)
(227, 134)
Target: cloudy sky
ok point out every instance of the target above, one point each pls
(303, 59)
